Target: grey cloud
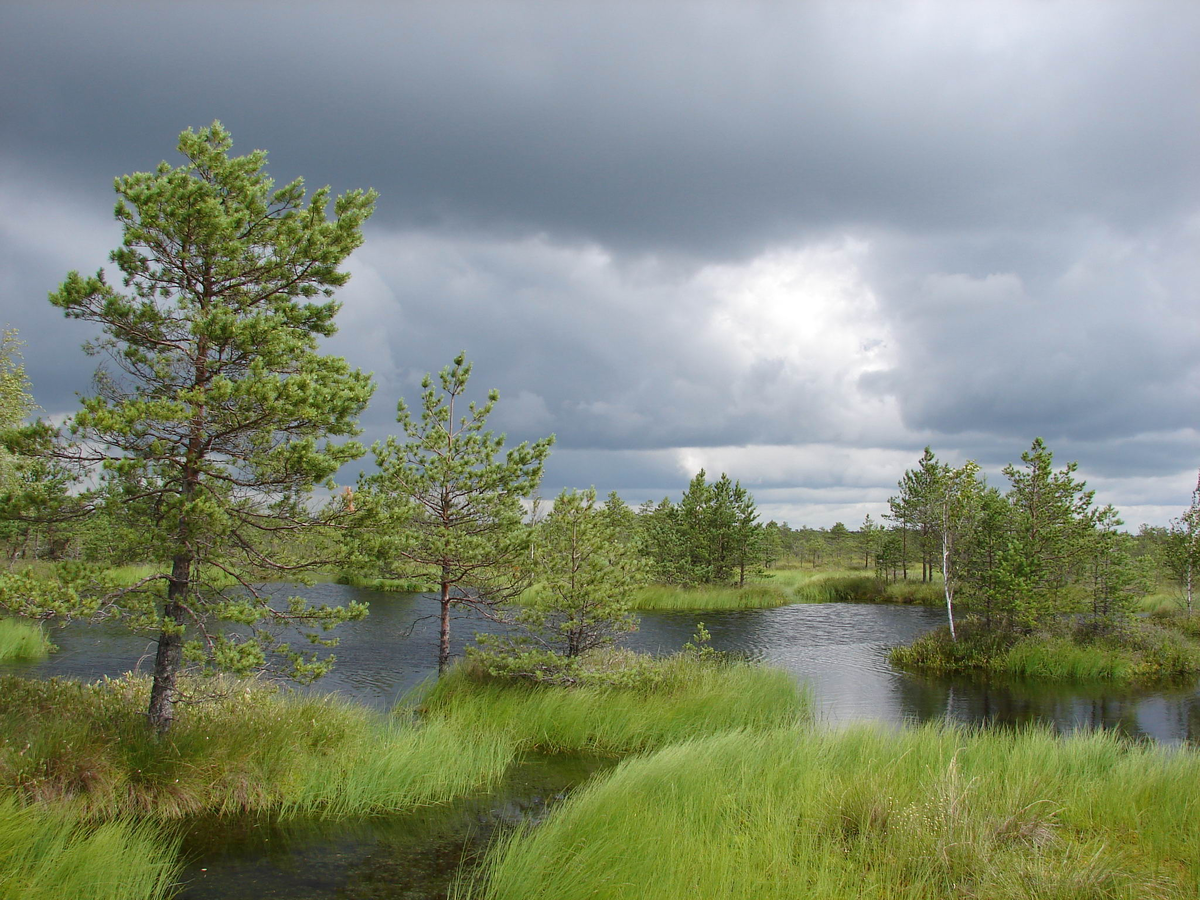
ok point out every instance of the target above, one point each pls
(641, 125)
(1102, 348)
(557, 181)
(620, 354)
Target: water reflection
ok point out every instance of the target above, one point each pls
(839, 649)
(1169, 714)
(416, 855)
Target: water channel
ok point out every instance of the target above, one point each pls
(839, 650)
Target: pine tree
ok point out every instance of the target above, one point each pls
(219, 406)
(16, 401)
(985, 553)
(749, 539)
(661, 539)
(914, 506)
(695, 530)
(868, 538)
(445, 506)
(838, 535)
(623, 520)
(586, 575)
(1112, 576)
(1051, 520)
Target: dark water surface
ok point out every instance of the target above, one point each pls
(840, 650)
(414, 855)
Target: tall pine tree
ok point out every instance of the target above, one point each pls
(218, 408)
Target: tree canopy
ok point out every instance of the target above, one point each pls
(216, 413)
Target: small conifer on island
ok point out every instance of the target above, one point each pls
(447, 502)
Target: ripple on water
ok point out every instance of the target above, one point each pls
(840, 649)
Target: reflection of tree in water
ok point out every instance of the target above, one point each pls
(922, 699)
(1185, 719)
(1167, 715)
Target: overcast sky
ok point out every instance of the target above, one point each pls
(795, 242)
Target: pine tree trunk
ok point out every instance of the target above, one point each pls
(169, 658)
(444, 634)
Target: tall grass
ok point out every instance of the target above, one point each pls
(250, 751)
(857, 586)
(1143, 653)
(926, 813)
(123, 575)
(398, 766)
(783, 586)
(53, 855)
(839, 587)
(686, 697)
(709, 597)
(1164, 602)
(22, 641)
(929, 593)
(392, 585)
(130, 574)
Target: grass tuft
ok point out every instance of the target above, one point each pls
(253, 750)
(709, 597)
(679, 698)
(22, 641)
(934, 812)
(48, 854)
(780, 587)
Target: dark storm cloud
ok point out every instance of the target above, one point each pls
(695, 127)
(43, 234)
(854, 227)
